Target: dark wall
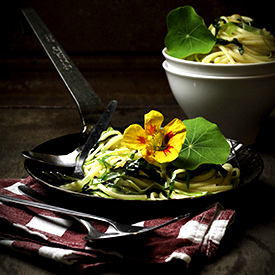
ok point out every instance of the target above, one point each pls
(114, 26)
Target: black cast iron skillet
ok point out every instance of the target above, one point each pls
(249, 162)
(90, 107)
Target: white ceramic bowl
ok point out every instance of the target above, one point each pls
(237, 104)
(210, 69)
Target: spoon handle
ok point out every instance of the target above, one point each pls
(89, 104)
(94, 135)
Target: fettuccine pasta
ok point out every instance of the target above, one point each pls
(256, 45)
(114, 171)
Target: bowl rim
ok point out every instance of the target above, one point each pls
(216, 77)
(200, 64)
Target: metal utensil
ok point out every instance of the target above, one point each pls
(121, 229)
(66, 160)
(34, 195)
(89, 105)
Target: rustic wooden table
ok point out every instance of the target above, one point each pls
(114, 44)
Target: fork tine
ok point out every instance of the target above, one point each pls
(59, 176)
(66, 177)
(51, 175)
(92, 231)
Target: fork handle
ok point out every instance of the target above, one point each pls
(56, 209)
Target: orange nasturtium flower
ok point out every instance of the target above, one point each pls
(156, 144)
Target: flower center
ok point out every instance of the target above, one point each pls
(159, 141)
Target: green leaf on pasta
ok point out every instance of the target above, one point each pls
(187, 33)
(204, 144)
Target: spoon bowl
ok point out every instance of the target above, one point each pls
(83, 150)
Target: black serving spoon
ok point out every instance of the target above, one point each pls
(83, 151)
(89, 104)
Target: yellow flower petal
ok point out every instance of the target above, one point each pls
(155, 144)
(167, 155)
(177, 141)
(148, 155)
(134, 137)
(176, 126)
(153, 121)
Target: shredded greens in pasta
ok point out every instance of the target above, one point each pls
(114, 171)
(238, 42)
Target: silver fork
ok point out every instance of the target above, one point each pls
(121, 230)
(34, 195)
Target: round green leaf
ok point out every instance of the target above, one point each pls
(187, 33)
(204, 144)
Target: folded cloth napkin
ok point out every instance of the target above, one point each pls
(60, 238)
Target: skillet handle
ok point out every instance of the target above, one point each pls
(88, 103)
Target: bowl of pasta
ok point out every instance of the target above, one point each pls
(231, 80)
(209, 68)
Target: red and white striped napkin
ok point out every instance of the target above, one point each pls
(60, 238)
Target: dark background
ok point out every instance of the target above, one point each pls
(117, 47)
(115, 44)
(117, 27)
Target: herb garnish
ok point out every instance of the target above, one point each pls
(204, 144)
(231, 26)
(188, 34)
